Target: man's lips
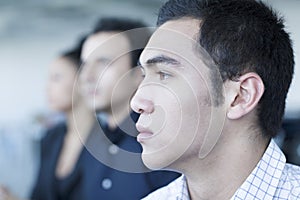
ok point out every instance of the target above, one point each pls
(144, 133)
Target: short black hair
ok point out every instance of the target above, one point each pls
(138, 38)
(74, 54)
(243, 36)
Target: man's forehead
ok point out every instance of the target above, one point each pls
(185, 25)
(105, 43)
(175, 33)
(176, 37)
(183, 29)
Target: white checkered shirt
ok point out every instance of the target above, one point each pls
(272, 178)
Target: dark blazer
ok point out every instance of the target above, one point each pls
(91, 179)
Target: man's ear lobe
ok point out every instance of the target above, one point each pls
(248, 92)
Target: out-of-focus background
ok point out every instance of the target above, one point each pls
(33, 32)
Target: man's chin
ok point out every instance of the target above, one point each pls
(152, 162)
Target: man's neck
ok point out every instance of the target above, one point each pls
(224, 170)
(80, 121)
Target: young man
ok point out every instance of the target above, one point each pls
(109, 55)
(216, 76)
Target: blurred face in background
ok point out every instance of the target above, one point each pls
(61, 79)
(105, 76)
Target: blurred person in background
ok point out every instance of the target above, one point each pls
(108, 80)
(62, 149)
(63, 156)
(70, 167)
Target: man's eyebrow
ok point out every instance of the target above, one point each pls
(161, 60)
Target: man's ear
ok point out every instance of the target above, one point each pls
(244, 95)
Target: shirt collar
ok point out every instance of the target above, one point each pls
(179, 189)
(264, 179)
(261, 183)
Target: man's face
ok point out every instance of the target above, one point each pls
(174, 98)
(105, 69)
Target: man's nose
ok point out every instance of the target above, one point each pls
(88, 73)
(141, 104)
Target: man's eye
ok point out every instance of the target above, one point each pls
(103, 61)
(56, 77)
(164, 75)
